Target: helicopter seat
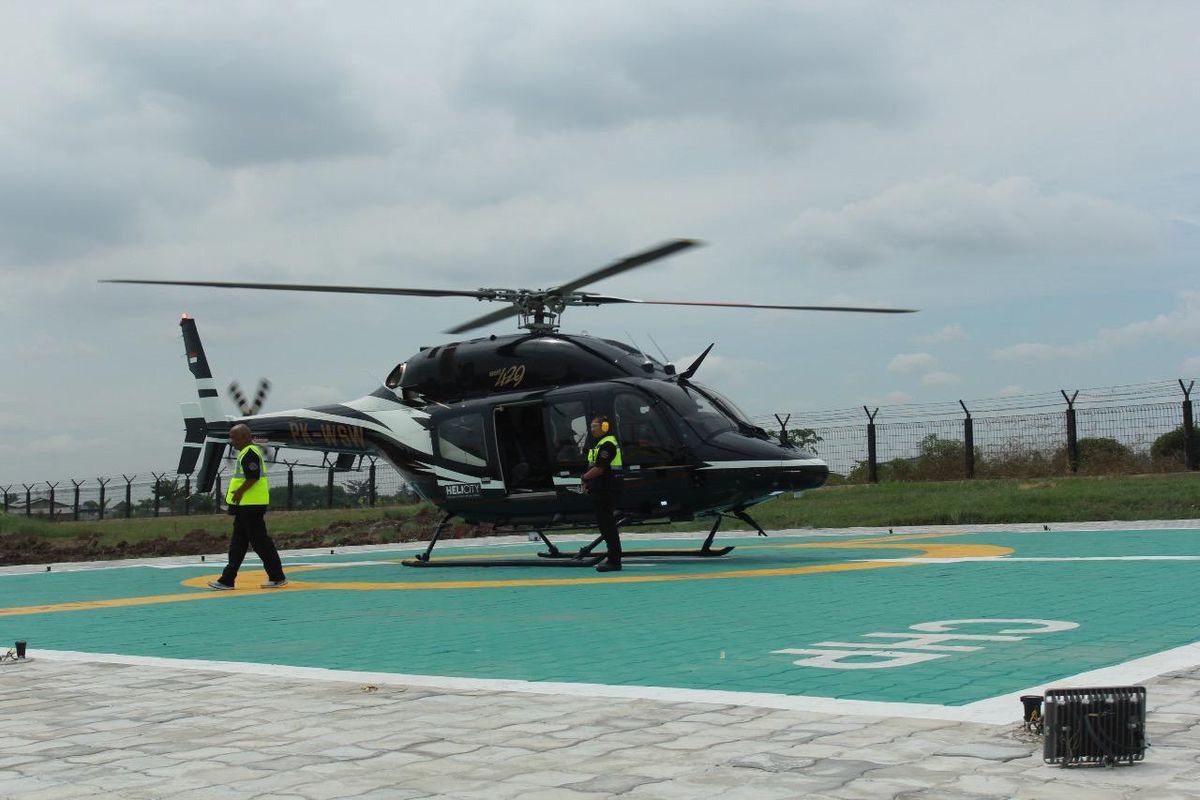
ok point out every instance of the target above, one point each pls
(517, 478)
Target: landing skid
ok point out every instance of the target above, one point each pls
(504, 562)
(584, 557)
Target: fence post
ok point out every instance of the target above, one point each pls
(103, 482)
(1189, 433)
(51, 485)
(128, 494)
(75, 513)
(872, 463)
(371, 485)
(329, 490)
(968, 442)
(1072, 441)
(157, 494)
(29, 498)
(291, 484)
(5, 490)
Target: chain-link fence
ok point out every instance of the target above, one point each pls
(152, 493)
(1096, 432)
(1092, 432)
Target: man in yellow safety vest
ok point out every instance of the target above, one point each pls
(603, 482)
(248, 498)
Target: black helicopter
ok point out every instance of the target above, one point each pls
(494, 430)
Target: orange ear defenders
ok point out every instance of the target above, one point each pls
(604, 426)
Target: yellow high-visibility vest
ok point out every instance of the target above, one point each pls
(595, 452)
(258, 494)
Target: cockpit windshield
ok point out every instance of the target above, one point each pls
(727, 405)
(698, 409)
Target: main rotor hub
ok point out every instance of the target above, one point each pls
(538, 310)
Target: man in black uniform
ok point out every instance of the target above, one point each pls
(248, 497)
(603, 482)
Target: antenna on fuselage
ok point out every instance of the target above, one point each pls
(667, 365)
(647, 364)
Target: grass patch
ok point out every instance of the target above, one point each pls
(1057, 499)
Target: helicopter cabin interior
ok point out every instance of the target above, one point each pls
(537, 441)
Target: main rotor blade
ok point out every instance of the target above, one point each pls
(486, 319)
(600, 299)
(636, 260)
(307, 287)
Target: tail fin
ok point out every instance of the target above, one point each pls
(206, 387)
(204, 428)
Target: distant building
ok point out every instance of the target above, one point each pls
(41, 505)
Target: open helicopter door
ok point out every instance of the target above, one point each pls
(567, 421)
(521, 443)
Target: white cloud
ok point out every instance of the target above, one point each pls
(754, 63)
(939, 378)
(911, 362)
(1179, 325)
(1011, 390)
(947, 333)
(953, 217)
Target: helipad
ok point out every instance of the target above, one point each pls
(947, 623)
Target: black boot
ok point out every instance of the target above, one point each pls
(609, 566)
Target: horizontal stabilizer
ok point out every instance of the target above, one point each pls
(193, 437)
(209, 466)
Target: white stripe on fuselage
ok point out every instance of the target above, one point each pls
(397, 422)
(791, 463)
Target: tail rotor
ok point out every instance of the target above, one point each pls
(260, 397)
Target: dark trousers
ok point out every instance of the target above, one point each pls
(250, 530)
(605, 504)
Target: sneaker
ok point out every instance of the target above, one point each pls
(225, 587)
(608, 567)
(273, 584)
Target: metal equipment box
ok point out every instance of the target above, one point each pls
(1103, 725)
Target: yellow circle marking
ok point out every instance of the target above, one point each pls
(930, 550)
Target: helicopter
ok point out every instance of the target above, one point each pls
(494, 430)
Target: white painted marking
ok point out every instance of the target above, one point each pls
(1002, 710)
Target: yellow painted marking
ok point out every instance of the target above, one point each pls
(935, 550)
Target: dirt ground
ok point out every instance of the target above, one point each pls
(25, 548)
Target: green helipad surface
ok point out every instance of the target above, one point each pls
(946, 619)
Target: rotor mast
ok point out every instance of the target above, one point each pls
(538, 310)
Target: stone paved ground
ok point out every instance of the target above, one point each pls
(86, 725)
(89, 729)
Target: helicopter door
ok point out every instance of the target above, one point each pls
(567, 431)
(521, 438)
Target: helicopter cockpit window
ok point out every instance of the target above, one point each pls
(706, 416)
(461, 440)
(396, 376)
(699, 412)
(726, 405)
(644, 437)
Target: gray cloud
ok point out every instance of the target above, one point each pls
(52, 209)
(955, 217)
(236, 97)
(753, 64)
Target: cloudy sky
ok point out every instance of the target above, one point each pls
(1025, 174)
